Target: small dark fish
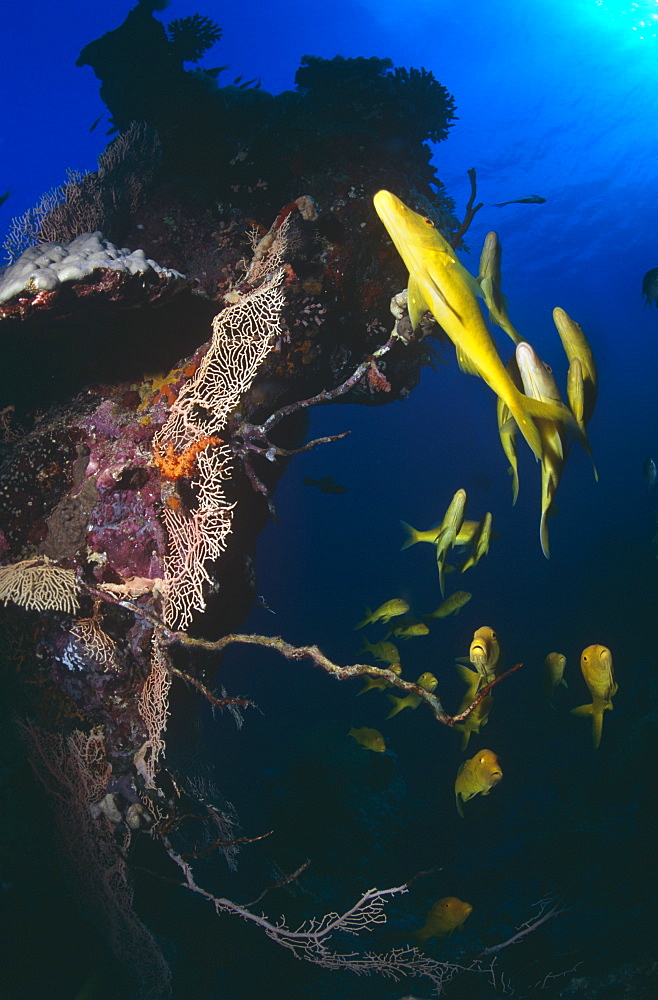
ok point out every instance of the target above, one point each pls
(650, 287)
(533, 199)
(650, 473)
(3, 197)
(97, 122)
(326, 485)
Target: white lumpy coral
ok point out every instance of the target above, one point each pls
(45, 267)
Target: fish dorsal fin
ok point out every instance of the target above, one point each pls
(417, 302)
(486, 291)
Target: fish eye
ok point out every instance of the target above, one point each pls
(585, 659)
(428, 222)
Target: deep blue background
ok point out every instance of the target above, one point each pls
(557, 98)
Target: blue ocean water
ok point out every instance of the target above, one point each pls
(553, 98)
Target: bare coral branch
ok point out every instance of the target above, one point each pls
(253, 439)
(469, 214)
(546, 911)
(311, 941)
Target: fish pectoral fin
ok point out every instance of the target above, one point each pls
(458, 801)
(510, 426)
(465, 363)
(417, 301)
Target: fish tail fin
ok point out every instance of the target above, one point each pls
(596, 712)
(523, 415)
(467, 564)
(368, 686)
(440, 562)
(597, 725)
(526, 410)
(397, 703)
(514, 473)
(465, 733)
(564, 683)
(508, 326)
(458, 801)
(412, 535)
(543, 532)
(584, 440)
(365, 620)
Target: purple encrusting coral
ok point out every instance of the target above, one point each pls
(125, 530)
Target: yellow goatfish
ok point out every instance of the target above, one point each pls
(554, 665)
(385, 652)
(583, 380)
(539, 383)
(464, 535)
(507, 428)
(448, 532)
(472, 680)
(575, 345)
(440, 283)
(451, 605)
(427, 681)
(369, 739)
(477, 776)
(474, 722)
(490, 283)
(408, 629)
(384, 613)
(484, 653)
(596, 668)
(576, 399)
(480, 543)
(447, 915)
(379, 683)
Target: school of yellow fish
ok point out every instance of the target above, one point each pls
(528, 398)
(481, 773)
(529, 401)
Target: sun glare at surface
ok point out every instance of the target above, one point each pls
(640, 16)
